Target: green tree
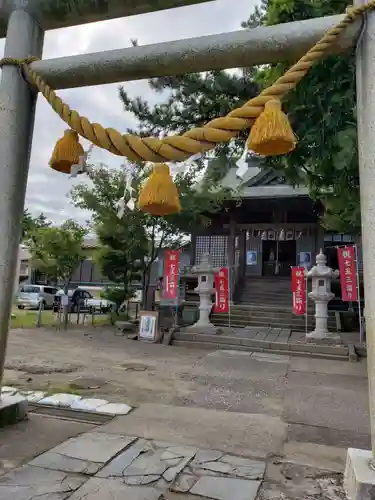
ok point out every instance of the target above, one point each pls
(321, 109)
(57, 251)
(123, 241)
(31, 223)
(131, 244)
(193, 100)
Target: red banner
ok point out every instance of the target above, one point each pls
(299, 290)
(171, 268)
(348, 274)
(221, 280)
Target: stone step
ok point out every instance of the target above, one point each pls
(205, 341)
(272, 309)
(296, 324)
(264, 294)
(268, 317)
(265, 307)
(269, 288)
(272, 306)
(292, 323)
(282, 301)
(275, 324)
(255, 324)
(229, 347)
(260, 291)
(270, 313)
(259, 299)
(265, 319)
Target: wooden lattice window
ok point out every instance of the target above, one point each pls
(216, 246)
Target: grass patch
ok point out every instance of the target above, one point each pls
(63, 389)
(26, 318)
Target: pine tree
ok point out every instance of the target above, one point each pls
(321, 109)
(193, 100)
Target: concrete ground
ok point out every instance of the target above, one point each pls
(297, 414)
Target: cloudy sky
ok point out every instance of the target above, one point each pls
(47, 191)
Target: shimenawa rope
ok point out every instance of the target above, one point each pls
(196, 140)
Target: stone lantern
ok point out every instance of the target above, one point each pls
(205, 272)
(321, 276)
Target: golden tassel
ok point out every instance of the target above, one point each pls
(67, 152)
(272, 133)
(159, 195)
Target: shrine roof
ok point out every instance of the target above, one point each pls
(260, 182)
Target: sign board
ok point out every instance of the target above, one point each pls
(148, 326)
(171, 274)
(251, 258)
(348, 274)
(304, 259)
(221, 280)
(299, 290)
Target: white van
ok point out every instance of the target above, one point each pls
(32, 296)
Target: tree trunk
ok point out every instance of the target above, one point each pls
(146, 286)
(66, 308)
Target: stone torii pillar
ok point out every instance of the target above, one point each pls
(17, 110)
(359, 478)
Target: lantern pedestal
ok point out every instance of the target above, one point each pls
(359, 477)
(321, 276)
(205, 272)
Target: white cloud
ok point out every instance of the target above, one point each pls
(47, 190)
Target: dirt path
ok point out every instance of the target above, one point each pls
(307, 409)
(123, 369)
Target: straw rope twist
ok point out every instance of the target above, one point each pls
(196, 140)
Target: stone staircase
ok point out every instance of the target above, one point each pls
(267, 302)
(267, 291)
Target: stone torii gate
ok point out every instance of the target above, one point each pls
(24, 23)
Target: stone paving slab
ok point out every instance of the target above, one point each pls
(183, 469)
(56, 461)
(114, 489)
(86, 453)
(132, 468)
(29, 483)
(220, 488)
(248, 470)
(147, 462)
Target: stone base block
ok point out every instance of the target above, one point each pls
(328, 338)
(13, 409)
(359, 478)
(207, 329)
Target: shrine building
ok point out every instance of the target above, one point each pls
(274, 226)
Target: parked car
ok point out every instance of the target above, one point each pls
(83, 301)
(32, 296)
(102, 305)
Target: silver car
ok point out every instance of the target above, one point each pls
(35, 296)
